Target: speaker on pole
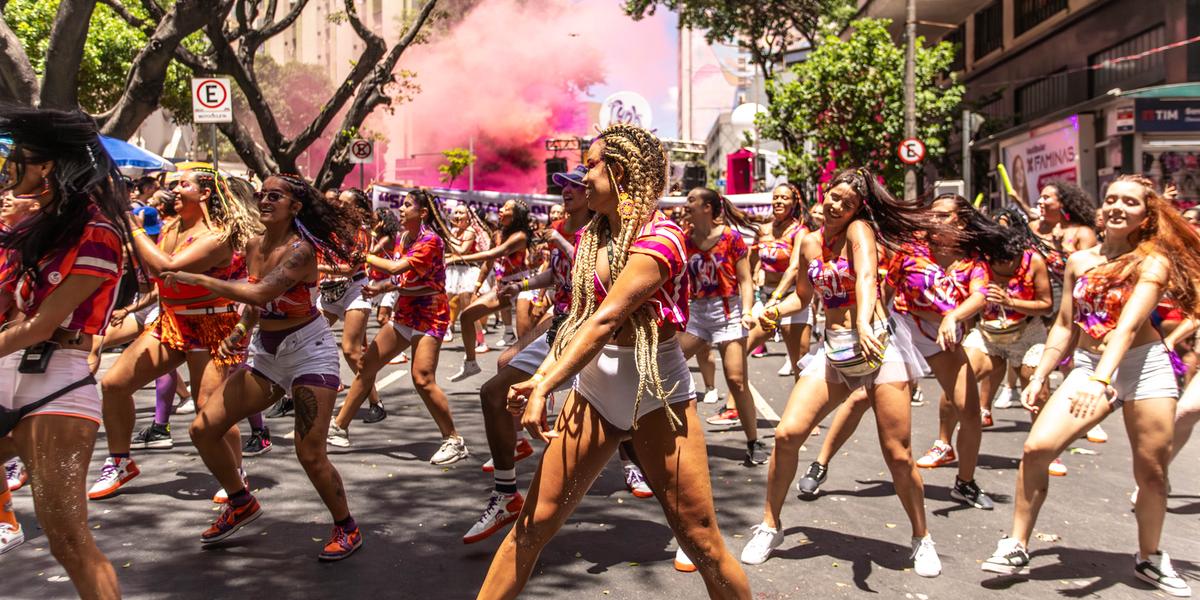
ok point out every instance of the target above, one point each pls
(554, 165)
(694, 176)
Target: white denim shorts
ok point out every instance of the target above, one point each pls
(609, 383)
(65, 367)
(531, 357)
(339, 308)
(307, 356)
(1145, 372)
(901, 362)
(708, 320)
(1017, 353)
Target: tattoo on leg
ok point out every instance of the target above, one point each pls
(306, 411)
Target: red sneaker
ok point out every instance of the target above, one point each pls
(940, 455)
(341, 545)
(232, 519)
(501, 510)
(727, 416)
(115, 473)
(522, 451)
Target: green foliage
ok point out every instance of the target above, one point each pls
(847, 102)
(107, 56)
(457, 161)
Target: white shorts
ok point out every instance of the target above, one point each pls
(389, 299)
(307, 356)
(1145, 372)
(531, 357)
(1016, 353)
(146, 315)
(901, 362)
(460, 279)
(925, 345)
(610, 381)
(339, 308)
(365, 303)
(803, 317)
(708, 320)
(65, 367)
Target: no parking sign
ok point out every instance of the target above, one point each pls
(362, 152)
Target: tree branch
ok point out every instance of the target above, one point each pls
(273, 28)
(127, 16)
(227, 62)
(60, 82)
(251, 154)
(154, 9)
(18, 82)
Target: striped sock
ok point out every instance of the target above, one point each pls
(506, 480)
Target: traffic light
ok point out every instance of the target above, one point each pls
(554, 165)
(694, 176)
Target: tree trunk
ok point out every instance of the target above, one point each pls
(18, 82)
(143, 90)
(60, 83)
(251, 154)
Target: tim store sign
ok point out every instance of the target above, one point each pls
(1154, 114)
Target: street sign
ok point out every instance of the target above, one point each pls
(911, 151)
(362, 152)
(211, 100)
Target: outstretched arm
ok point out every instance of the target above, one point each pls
(296, 266)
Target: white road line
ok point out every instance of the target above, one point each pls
(390, 379)
(764, 410)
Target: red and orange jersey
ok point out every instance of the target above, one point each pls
(1020, 286)
(714, 271)
(561, 264)
(775, 254)
(664, 241)
(924, 285)
(426, 260)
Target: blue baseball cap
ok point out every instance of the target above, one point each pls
(150, 220)
(573, 177)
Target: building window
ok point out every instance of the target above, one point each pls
(1130, 74)
(958, 38)
(989, 29)
(1042, 96)
(1028, 13)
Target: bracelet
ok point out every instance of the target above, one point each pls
(524, 285)
(139, 231)
(769, 311)
(240, 328)
(776, 295)
(538, 377)
(1037, 379)
(1107, 381)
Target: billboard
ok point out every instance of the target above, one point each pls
(1050, 153)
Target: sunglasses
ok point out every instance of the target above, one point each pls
(273, 196)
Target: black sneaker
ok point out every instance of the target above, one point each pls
(281, 408)
(375, 414)
(1010, 558)
(968, 492)
(154, 437)
(1157, 571)
(756, 452)
(259, 442)
(810, 485)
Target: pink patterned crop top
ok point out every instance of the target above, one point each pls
(1020, 286)
(1098, 304)
(924, 285)
(662, 240)
(833, 278)
(776, 253)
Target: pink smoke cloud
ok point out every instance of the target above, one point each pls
(513, 73)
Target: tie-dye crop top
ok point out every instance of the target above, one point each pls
(923, 285)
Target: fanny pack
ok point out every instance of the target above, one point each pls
(1001, 331)
(843, 350)
(10, 418)
(555, 322)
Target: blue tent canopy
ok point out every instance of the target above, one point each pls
(125, 154)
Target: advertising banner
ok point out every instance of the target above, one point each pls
(1034, 161)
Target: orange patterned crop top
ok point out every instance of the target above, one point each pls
(299, 301)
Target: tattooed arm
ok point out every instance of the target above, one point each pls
(299, 264)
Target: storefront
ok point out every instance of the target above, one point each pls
(1158, 137)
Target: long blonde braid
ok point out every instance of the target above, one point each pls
(644, 160)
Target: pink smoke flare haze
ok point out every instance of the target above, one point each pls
(512, 74)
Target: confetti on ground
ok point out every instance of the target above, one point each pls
(1084, 451)
(1047, 537)
(58, 578)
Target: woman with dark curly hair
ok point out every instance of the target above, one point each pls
(58, 285)
(292, 352)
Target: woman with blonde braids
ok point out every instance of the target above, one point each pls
(629, 299)
(1121, 363)
(208, 237)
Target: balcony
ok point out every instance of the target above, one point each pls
(936, 18)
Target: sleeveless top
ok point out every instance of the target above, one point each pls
(663, 240)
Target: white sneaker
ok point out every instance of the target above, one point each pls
(221, 497)
(10, 537)
(762, 542)
(1097, 435)
(453, 449)
(1157, 571)
(338, 437)
(187, 408)
(449, 337)
(15, 474)
(501, 510)
(918, 397)
(1133, 495)
(711, 396)
(1004, 398)
(683, 564)
(470, 368)
(635, 482)
(786, 369)
(925, 559)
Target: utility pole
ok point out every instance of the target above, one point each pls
(966, 153)
(910, 94)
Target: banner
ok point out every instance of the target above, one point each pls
(1034, 161)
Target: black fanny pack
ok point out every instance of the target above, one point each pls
(9, 418)
(555, 322)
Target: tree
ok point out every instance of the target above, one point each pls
(457, 161)
(767, 29)
(73, 53)
(847, 100)
(371, 83)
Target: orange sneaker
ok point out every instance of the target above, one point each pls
(940, 455)
(522, 451)
(1057, 468)
(501, 510)
(115, 473)
(232, 519)
(683, 564)
(986, 417)
(341, 545)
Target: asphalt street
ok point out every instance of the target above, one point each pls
(852, 542)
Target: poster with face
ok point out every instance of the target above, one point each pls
(1034, 161)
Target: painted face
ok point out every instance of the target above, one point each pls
(1123, 210)
(189, 192)
(601, 197)
(841, 204)
(276, 203)
(783, 203)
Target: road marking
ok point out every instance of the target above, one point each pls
(389, 380)
(764, 410)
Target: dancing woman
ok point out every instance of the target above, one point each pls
(516, 235)
(467, 237)
(208, 237)
(862, 349)
(772, 253)
(63, 264)
(721, 304)
(420, 320)
(629, 298)
(1120, 363)
(292, 352)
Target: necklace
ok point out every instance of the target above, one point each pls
(609, 247)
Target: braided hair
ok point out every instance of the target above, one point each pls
(644, 161)
(224, 210)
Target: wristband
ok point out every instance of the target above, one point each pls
(524, 285)
(240, 328)
(776, 295)
(1107, 381)
(139, 231)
